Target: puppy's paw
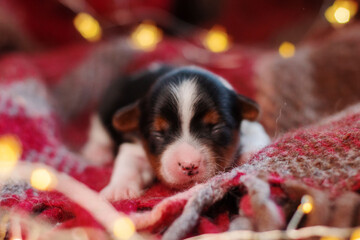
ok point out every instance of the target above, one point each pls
(114, 192)
(98, 154)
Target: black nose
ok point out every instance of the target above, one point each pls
(189, 170)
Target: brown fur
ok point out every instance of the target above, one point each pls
(212, 117)
(160, 124)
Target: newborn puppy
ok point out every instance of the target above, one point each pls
(182, 125)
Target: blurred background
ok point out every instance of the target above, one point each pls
(210, 24)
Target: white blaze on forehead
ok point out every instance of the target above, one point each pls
(186, 94)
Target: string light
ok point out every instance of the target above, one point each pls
(42, 179)
(341, 12)
(305, 207)
(88, 27)
(287, 50)
(217, 40)
(302, 233)
(10, 152)
(342, 15)
(124, 228)
(355, 234)
(306, 204)
(330, 238)
(146, 36)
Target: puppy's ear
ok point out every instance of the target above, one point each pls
(249, 108)
(126, 119)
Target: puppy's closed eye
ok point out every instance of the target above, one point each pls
(158, 136)
(160, 124)
(221, 134)
(218, 129)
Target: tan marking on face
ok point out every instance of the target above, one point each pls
(160, 124)
(212, 117)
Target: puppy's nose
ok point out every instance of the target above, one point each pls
(189, 169)
(188, 160)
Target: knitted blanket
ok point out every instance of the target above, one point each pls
(44, 103)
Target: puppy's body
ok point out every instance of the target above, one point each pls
(183, 124)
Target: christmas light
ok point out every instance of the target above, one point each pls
(355, 235)
(341, 12)
(305, 207)
(302, 233)
(287, 50)
(217, 40)
(10, 152)
(42, 179)
(124, 228)
(88, 27)
(146, 36)
(342, 15)
(330, 238)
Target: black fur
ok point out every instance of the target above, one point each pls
(152, 87)
(123, 92)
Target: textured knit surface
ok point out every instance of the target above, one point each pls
(322, 160)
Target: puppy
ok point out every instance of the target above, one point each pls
(181, 125)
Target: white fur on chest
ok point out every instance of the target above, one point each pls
(253, 137)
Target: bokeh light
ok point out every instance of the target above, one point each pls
(88, 27)
(330, 238)
(355, 235)
(146, 36)
(306, 208)
(342, 15)
(306, 205)
(341, 12)
(10, 152)
(287, 50)
(124, 228)
(42, 179)
(217, 40)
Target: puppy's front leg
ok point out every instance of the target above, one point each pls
(131, 174)
(99, 148)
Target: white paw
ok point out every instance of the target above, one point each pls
(98, 154)
(113, 192)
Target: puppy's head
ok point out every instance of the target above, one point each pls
(189, 124)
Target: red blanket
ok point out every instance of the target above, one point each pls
(45, 102)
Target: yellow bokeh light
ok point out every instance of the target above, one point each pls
(124, 228)
(42, 179)
(88, 27)
(306, 205)
(341, 12)
(342, 15)
(355, 235)
(217, 40)
(306, 208)
(330, 238)
(146, 36)
(10, 152)
(287, 50)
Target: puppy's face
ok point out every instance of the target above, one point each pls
(189, 124)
